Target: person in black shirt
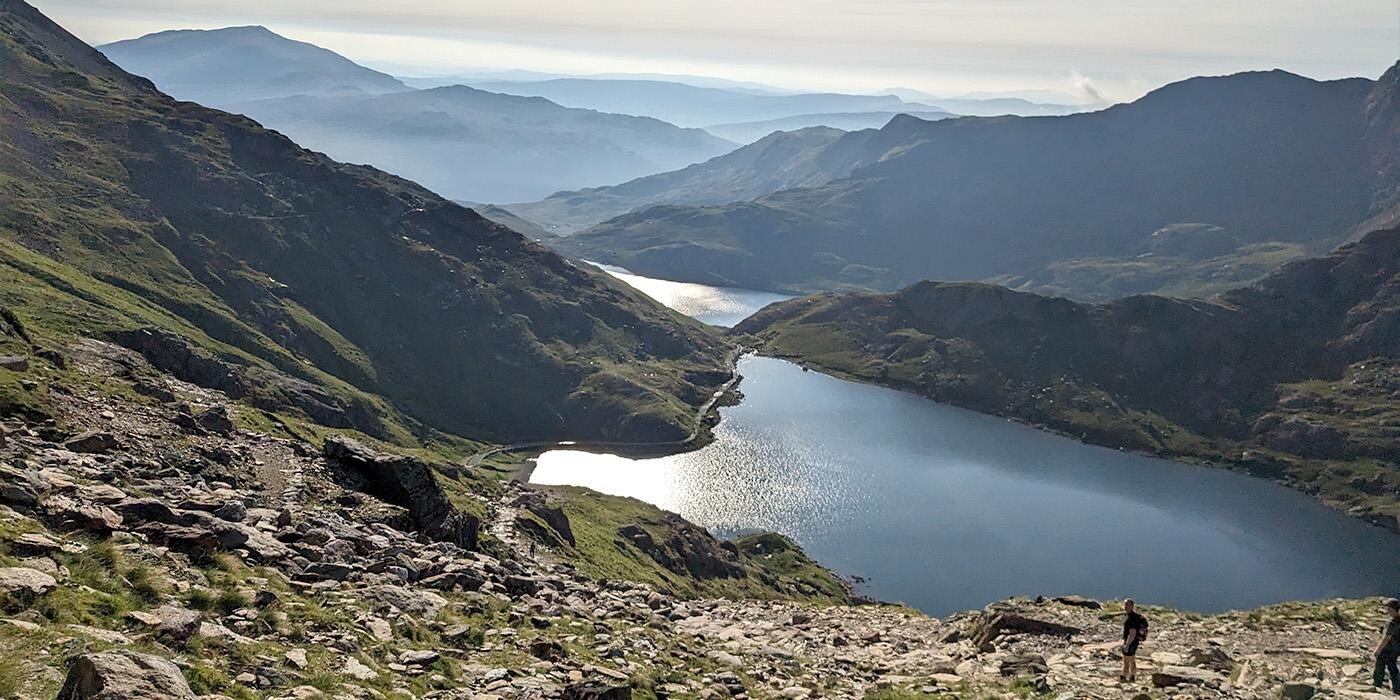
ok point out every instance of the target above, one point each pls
(1388, 651)
(1134, 629)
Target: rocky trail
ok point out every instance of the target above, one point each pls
(156, 544)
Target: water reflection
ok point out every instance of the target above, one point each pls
(718, 306)
(947, 509)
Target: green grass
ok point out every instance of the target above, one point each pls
(775, 568)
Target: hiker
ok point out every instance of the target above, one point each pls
(1134, 631)
(1388, 651)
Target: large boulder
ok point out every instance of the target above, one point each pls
(550, 524)
(24, 582)
(598, 690)
(997, 621)
(683, 548)
(1171, 676)
(92, 441)
(123, 675)
(404, 481)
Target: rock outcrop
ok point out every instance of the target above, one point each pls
(124, 675)
(407, 482)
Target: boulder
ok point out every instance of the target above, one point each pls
(419, 657)
(546, 649)
(1213, 658)
(217, 420)
(403, 481)
(357, 670)
(597, 690)
(995, 622)
(425, 604)
(1024, 664)
(550, 525)
(685, 549)
(1298, 691)
(92, 442)
(123, 675)
(1171, 676)
(177, 623)
(22, 581)
(14, 363)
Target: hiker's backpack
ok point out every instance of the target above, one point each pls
(1142, 630)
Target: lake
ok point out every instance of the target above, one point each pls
(718, 306)
(946, 509)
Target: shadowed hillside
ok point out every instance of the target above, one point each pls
(126, 209)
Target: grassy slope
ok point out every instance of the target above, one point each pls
(775, 567)
(123, 208)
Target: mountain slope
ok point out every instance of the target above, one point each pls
(465, 143)
(688, 105)
(1262, 156)
(748, 132)
(219, 67)
(457, 141)
(1296, 377)
(134, 210)
(780, 161)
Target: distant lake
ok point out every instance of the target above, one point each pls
(717, 306)
(946, 509)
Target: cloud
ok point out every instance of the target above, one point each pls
(1084, 87)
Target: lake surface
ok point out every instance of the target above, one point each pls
(946, 509)
(717, 306)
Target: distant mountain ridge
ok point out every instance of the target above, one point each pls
(780, 161)
(461, 142)
(1265, 157)
(688, 105)
(219, 67)
(748, 132)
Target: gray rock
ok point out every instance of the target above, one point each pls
(1298, 691)
(123, 675)
(546, 649)
(996, 622)
(419, 657)
(1170, 676)
(217, 420)
(19, 580)
(1213, 658)
(14, 363)
(178, 623)
(92, 442)
(597, 690)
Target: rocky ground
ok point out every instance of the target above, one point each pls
(160, 542)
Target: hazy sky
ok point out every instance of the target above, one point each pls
(1120, 47)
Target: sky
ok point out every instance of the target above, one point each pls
(1114, 49)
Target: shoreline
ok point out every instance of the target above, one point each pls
(699, 435)
(1331, 504)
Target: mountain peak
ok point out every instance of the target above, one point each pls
(222, 67)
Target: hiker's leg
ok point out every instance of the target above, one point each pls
(1393, 665)
(1385, 663)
